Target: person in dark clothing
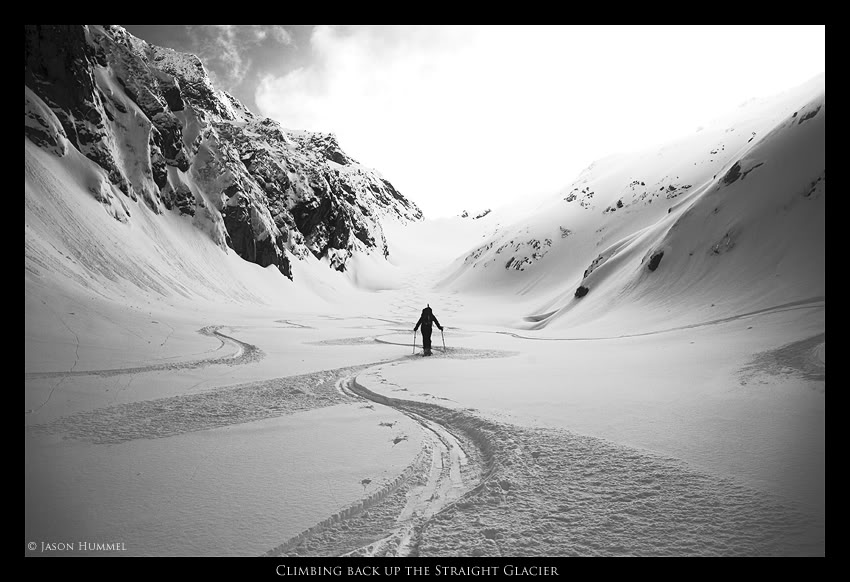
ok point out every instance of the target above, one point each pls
(425, 321)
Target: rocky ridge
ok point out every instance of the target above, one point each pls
(150, 118)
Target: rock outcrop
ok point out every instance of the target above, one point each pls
(152, 120)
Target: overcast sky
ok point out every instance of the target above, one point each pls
(472, 117)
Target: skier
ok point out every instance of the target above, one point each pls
(425, 321)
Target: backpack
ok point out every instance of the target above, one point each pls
(426, 318)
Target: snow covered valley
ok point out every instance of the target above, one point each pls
(220, 356)
(231, 430)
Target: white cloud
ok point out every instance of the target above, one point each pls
(470, 116)
(280, 34)
(226, 49)
(276, 32)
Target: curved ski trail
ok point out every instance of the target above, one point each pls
(448, 467)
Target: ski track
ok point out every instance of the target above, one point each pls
(118, 392)
(292, 324)
(49, 396)
(453, 352)
(801, 358)
(245, 354)
(812, 302)
(60, 375)
(164, 417)
(389, 522)
(482, 487)
(168, 337)
(549, 492)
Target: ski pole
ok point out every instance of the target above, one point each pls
(414, 341)
(444, 340)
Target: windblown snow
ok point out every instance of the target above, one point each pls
(184, 401)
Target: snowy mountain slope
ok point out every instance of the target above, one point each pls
(164, 375)
(724, 221)
(157, 131)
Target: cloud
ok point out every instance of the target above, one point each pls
(262, 32)
(280, 35)
(227, 50)
(471, 115)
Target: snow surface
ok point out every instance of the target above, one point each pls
(719, 204)
(186, 402)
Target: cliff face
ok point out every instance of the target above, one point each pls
(150, 118)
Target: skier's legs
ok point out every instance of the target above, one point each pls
(426, 340)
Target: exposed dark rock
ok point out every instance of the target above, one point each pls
(655, 260)
(269, 253)
(362, 234)
(158, 166)
(39, 130)
(169, 128)
(171, 94)
(184, 200)
(808, 115)
(310, 214)
(237, 220)
(58, 68)
(41, 137)
(340, 233)
(581, 291)
(596, 262)
(733, 174)
(816, 186)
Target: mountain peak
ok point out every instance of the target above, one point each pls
(153, 124)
